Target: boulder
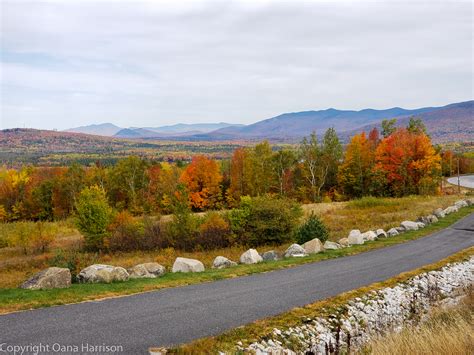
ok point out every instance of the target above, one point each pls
(344, 242)
(187, 265)
(102, 273)
(392, 232)
(439, 213)
(221, 262)
(400, 229)
(295, 250)
(420, 225)
(381, 233)
(331, 245)
(270, 255)
(52, 277)
(251, 256)
(355, 237)
(313, 246)
(432, 218)
(409, 225)
(370, 235)
(470, 201)
(146, 270)
(460, 204)
(451, 209)
(423, 220)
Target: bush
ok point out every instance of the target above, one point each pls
(126, 234)
(214, 232)
(269, 220)
(310, 229)
(93, 216)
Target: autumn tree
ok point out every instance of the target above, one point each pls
(408, 162)
(283, 161)
(238, 186)
(202, 179)
(416, 126)
(388, 127)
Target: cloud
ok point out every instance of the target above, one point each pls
(149, 63)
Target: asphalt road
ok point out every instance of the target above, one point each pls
(464, 180)
(178, 315)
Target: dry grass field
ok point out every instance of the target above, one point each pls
(339, 217)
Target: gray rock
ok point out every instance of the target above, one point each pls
(187, 265)
(221, 262)
(331, 245)
(251, 256)
(355, 237)
(313, 246)
(381, 233)
(370, 235)
(460, 204)
(270, 255)
(423, 220)
(439, 212)
(295, 250)
(102, 273)
(420, 225)
(409, 225)
(146, 270)
(432, 218)
(52, 277)
(344, 242)
(470, 201)
(451, 209)
(400, 229)
(392, 232)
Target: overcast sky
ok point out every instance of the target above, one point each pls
(150, 63)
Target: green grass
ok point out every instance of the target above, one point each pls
(18, 299)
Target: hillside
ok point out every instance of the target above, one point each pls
(102, 129)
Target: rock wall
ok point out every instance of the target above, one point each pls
(359, 320)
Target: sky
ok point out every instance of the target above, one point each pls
(151, 63)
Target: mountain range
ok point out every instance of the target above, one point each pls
(447, 123)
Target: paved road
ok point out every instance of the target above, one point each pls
(464, 180)
(182, 314)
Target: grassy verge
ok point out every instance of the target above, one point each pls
(260, 329)
(13, 299)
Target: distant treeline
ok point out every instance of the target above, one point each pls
(395, 162)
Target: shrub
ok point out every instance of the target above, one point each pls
(154, 235)
(214, 232)
(270, 220)
(93, 216)
(310, 229)
(42, 236)
(126, 234)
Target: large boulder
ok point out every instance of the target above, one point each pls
(381, 233)
(392, 232)
(420, 225)
(344, 242)
(451, 209)
(221, 262)
(331, 245)
(400, 229)
(409, 225)
(355, 237)
(187, 265)
(370, 235)
(313, 246)
(146, 270)
(424, 220)
(439, 212)
(460, 204)
(432, 218)
(295, 250)
(251, 256)
(52, 277)
(270, 255)
(102, 273)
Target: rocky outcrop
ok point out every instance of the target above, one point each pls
(295, 250)
(331, 245)
(355, 237)
(313, 246)
(409, 225)
(146, 270)
(251, 256)
(102, 273)
(221, 262)
(52, 277)
(187, 265)
(270, 255)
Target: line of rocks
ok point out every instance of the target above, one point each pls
(350, 326)
(55, 277)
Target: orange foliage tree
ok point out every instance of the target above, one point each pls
(408, 162)
(202, 179)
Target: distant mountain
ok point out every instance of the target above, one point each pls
(135, 133)
(192, 127)
(103, 129)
